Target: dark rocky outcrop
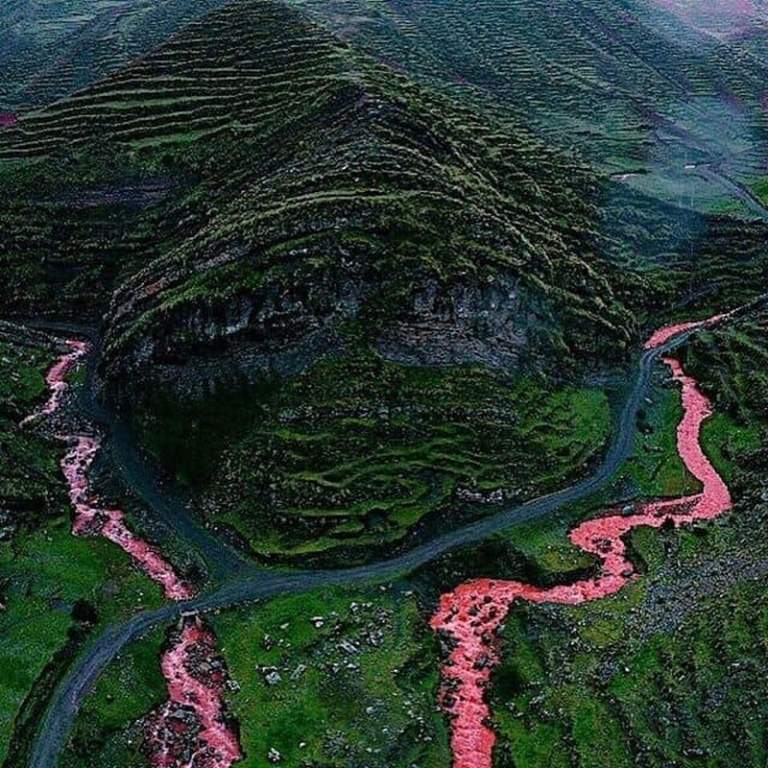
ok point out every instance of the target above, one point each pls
(488, 323)
(313, 195)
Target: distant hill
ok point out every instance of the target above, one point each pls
(633, 85)
(732, 20)
(275, 187)
(50, 49)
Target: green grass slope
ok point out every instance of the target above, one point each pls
(356, 453)
(55, 589)
(672, 670)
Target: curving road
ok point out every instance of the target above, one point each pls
(712, 172)
(166, 500)
(243, 583)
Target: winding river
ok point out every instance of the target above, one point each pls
(190, 730)
(235, 585)
(470, 615)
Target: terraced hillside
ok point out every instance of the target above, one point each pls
(352, 304)
(312, 187)
(732, 364)
(674, 256)
(589, 74)
(50, 49)
(356, 453)
(295, 186)
(67, 234)
(256, 199)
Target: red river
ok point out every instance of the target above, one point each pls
(190, 729)
(471, 614)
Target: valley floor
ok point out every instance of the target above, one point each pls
(372, 639)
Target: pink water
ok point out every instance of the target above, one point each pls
(56, 379)
(90, 517)
(190, 729)
(93, 519)
(471, 614)
(216, 743)
(669, 331)
(7, 119)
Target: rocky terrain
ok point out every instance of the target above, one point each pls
(324, 322)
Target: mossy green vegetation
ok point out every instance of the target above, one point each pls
(668, 672)
(72, 226)
(760, 188)
(656, 468)
(357, 451)
(730, 362)
(46, 575)
(55, 589)
(332, 677)
(108, 730)
(189, 438)
(725, 440)
(29, 468)
(619, 683)
(356, 680)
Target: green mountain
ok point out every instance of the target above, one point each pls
(637, 86)
(271, 224)
(50, 49)
(281, 186)
(365, 273)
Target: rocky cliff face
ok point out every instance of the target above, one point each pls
(487, 323)
(283, 330)
(276, 329)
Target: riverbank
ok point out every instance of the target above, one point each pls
(239, 591)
